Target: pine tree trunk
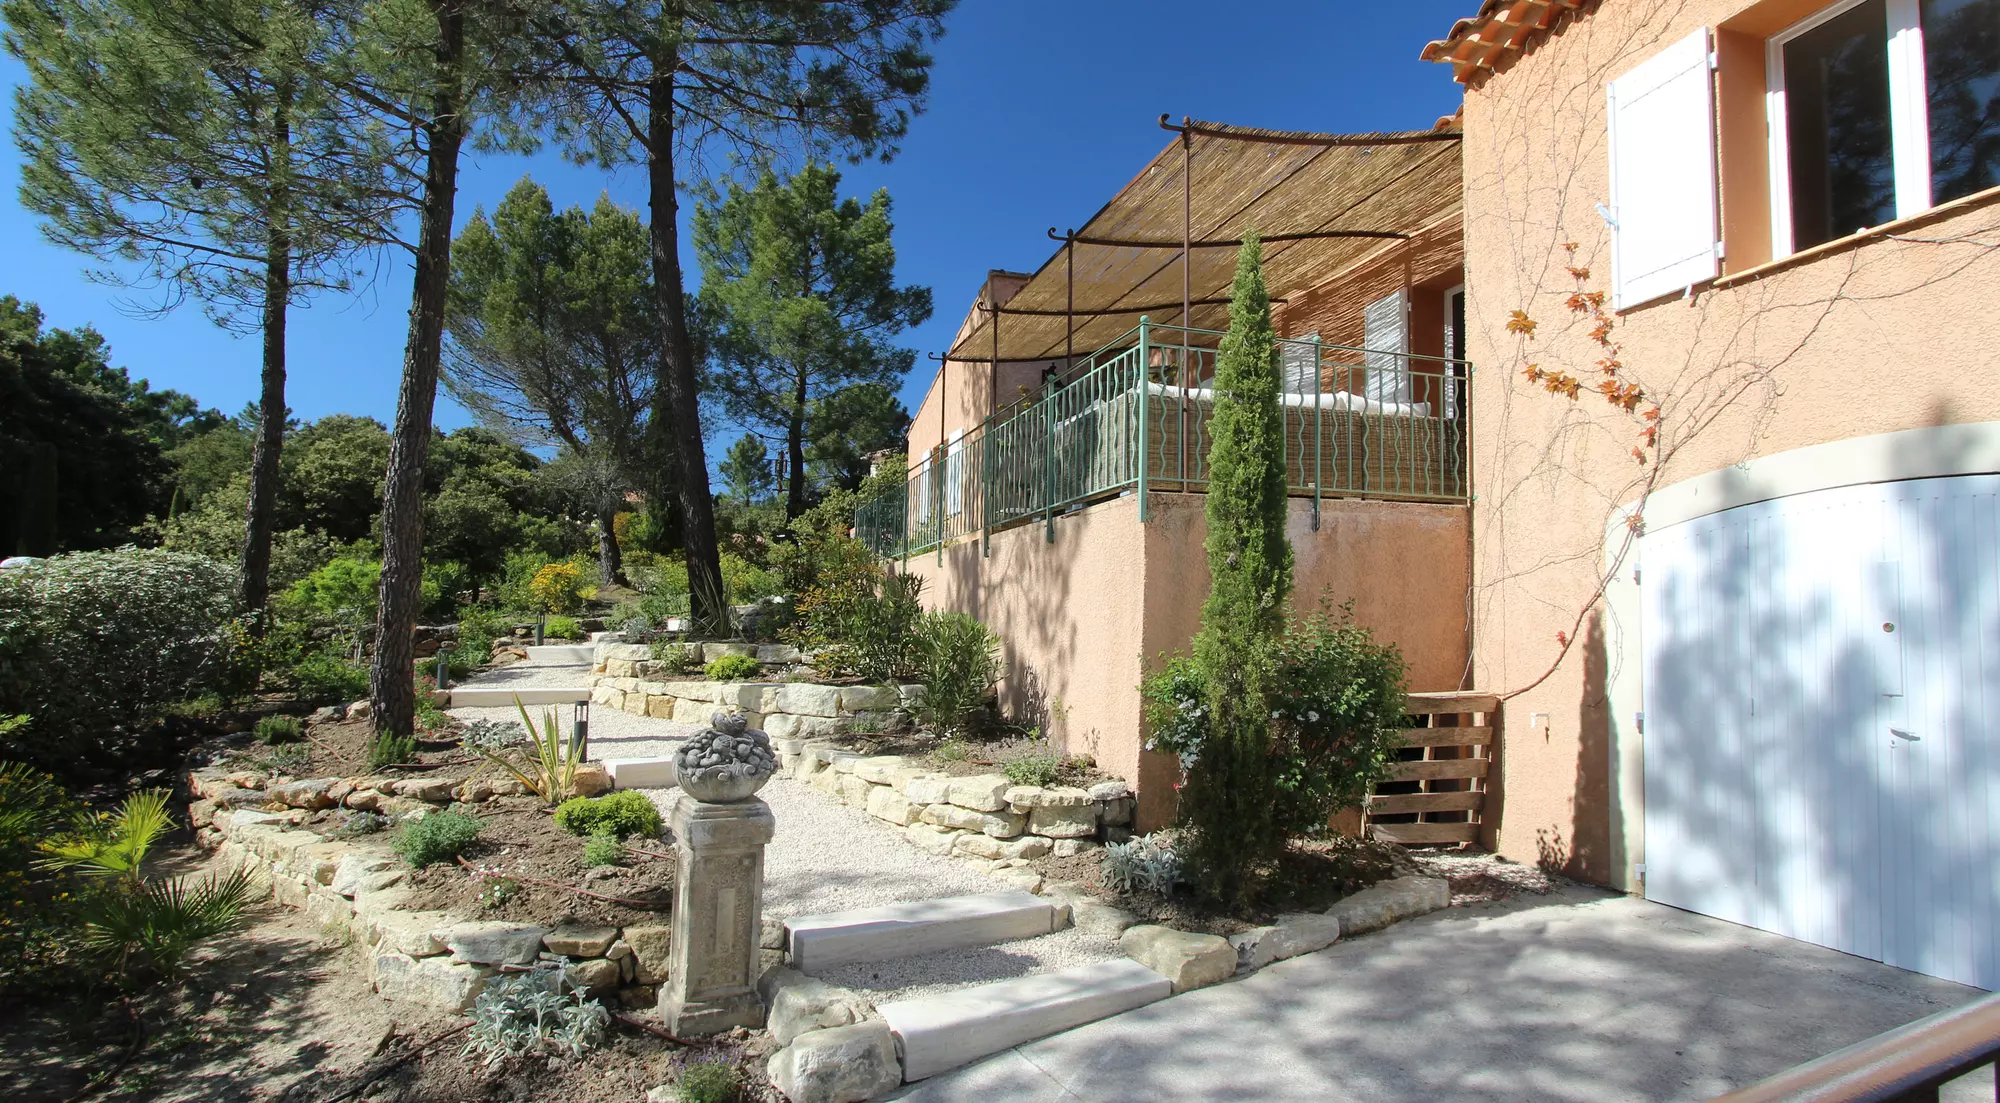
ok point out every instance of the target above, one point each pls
(390, 678)
(260, 516)
(610, 562)
(676, 396)
(795, 451)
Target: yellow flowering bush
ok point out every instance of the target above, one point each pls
(558, 588)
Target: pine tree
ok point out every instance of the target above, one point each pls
(1227, 803)
(802, 287)
(666, 83)
(201, 148)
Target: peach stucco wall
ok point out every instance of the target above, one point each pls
(1083, 617)
(1876, 336)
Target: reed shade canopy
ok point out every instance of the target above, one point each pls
(1376, 190)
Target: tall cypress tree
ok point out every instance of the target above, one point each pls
(1227, 803)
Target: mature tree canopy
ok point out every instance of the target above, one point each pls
(746, 470)
(660, 82)
(81, 443)
(555, 339)
(800, 286)
(848, 426)
(201, 148)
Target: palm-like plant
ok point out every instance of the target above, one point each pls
(135, 922)
(550, 772)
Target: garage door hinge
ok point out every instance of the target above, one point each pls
(1639, 722)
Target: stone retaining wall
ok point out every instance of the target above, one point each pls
(983, 816)
(358, 885)
(625, 677)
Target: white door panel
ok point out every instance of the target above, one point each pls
(1818, 746)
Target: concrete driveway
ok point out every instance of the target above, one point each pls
(1578, 995)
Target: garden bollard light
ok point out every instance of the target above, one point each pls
(579, 731)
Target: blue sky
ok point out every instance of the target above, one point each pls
(1040, 110)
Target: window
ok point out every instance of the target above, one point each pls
(1385, 325)
(1301, 366)
(1880, 109)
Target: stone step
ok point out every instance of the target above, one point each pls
(503, 696)
(641, 773)
(942, 1032)
(921, 927)
(561, 654)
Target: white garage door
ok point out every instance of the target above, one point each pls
(1821, 675)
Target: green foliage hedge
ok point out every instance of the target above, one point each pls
(623, 814)
(957, 660)
(95, 646)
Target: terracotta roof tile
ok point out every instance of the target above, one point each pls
(1490, 41)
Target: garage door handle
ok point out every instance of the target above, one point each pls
(1901, 734)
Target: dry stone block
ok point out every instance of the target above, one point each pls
(433, 981)
(798, 1004)
(660, 708)
(414, 934)
(748, 696)
(1292, 935)
(869, 698)
(930, 839)
(366, 872)
(777, 653)
(846, 1064)
(690, 711)
(783, 728)
(572, 941)
(1024, 878)
(634, 704)
(828, 781)
(980, 792)
(1002, 825)
(1190, 961)
(591, 779)
(431, 790)
(1110, 790)
(885, 803)
(1070, 848)
(1063, 821)
(1030, 796)
(855, 790)
(494, 943)
(653, 947)
(986, 846)
(1391, 901)
(880, 769)
(713, 651)
(801, 699)
(928, 789)
(597, 976)
(1116, 813)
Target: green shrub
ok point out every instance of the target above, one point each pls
(279, 729)
(1337, 704)
(881, 626)
(958, 661)
(710, 1081)
(285, 758)
(438, 837)
(746, 582)
(1043, 768)
(733, 668)
(602, 848)
(562, 628)
(325, 678)
(677, 658)
(622, 814)
(387, 749)
(343, 594)
(96, 645)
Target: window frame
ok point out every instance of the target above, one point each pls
(1909, 114)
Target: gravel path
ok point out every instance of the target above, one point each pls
(613, 733)
(828, 857)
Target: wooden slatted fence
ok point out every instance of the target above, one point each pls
(1438, 791)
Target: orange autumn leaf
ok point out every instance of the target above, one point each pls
(1562, 639)
(1519, 322)
(1638, 455)
(1579, 273)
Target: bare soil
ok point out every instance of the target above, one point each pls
(531, 871)
(282, 1010)
(1311, 876)
(965, 757)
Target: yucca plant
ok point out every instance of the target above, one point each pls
(550, 772)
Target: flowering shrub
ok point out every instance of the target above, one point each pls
(96, 645)
(558, 588)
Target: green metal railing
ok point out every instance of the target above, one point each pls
(1134, 417)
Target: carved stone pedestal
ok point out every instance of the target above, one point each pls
(718, 908)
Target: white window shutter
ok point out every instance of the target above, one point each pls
(1662, 209)
(1385, 325)
(1301, 366)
